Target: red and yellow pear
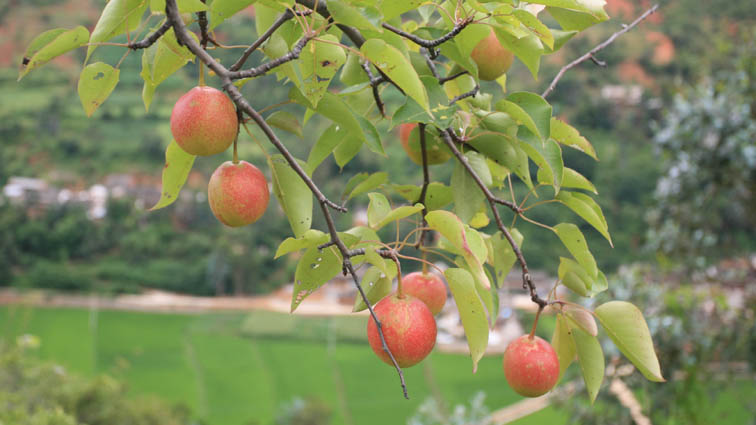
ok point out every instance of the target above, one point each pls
(492, 58)
(204, 122)
(427, 287)
(408, 326)
(435, 148)
(531, 366)
(238, 193)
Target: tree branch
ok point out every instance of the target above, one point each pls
(202, 20)
(430, 44)
(527, 281)
(267, 66)
(171, 11)
(589, 55)
(265, 36)
(465, 95)
(152, 38)
(426, 182)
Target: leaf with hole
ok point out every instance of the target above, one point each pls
(96, 82)
(315, 268)
(51, 44)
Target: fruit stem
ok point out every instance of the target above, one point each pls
(425, 263)
(399, 293)
(201, 74)
(535, 322)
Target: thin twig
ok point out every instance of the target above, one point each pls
(443, 80)
(430, 44)
(266, 35)
(150, 39)
(589, 55)
(465, 95)
(267, 66)
(374, 83)
(527, 281)
(202, 20)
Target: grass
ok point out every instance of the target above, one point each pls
(230, 377)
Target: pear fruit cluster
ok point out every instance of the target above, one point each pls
(407, 320)
(204, 123)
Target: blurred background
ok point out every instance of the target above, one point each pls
(110, 314)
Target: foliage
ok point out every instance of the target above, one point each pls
(304, 412)
(431, 412)
(36, 393)
(422, 61)
(705, 200)
(704, 336)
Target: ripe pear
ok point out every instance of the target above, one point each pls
(435, 148)
(429, 288)
(492, 58)
(408, 326)
(204, 122)
(238, 193)
(531, 366)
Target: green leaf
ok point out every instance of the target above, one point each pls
(184, 6)
(369, 183)
(96, 82)
(584, 206)
(519, 115)
(437, 195)
(370, 135)
(309, 239)
(548, 157)
(573, 179)
(502, 255)
(625, 325)
(378, 208)
(220, 10)
(118, 17)
(471, 312)
(393, 63)
(319, 62)
(375, 283)
(583, 319)
(561, 38)
(347, 14)
(51, 44)
(450, 227)
(535, 26)
(327, 142)
(563, 344)
(591, 359)
(315, 268)
(352, 73)
(412, 112)
(537, 108)
(285, 121)
(397, 214)
(467, 195)
(528, 49)
(161, 60)
(568, 136)
(335, 109)
(346, 150)
(573, 239)
(292, 193)
(588, 14)
(177, 166)
(575, 277)
(393, 8)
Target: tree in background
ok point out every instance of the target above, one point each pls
(706, 199)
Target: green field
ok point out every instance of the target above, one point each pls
(234, 369)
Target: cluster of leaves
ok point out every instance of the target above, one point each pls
(704, 336)
(385, 48)
(705, 200)
(33, 392)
